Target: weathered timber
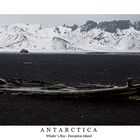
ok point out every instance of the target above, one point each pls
(118, 91)
(90, 90)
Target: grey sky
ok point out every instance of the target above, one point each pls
(54, 20)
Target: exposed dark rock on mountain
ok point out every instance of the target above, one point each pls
(88, 26)
(137, 25)
(111, 26)
(74, 27)
(57, 30)
(124, 24)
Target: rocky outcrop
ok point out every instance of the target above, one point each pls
(88, 26)
(74, 27)
(123, 24)
(111, 26)
(137, 25)
(57, 30)
(24, 51)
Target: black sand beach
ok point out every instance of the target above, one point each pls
(40, 110)
(70, 69)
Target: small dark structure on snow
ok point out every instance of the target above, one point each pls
(24, 51)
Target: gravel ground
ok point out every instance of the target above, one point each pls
(41, 110)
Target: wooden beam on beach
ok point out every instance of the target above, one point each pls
(63, 90)
(119, 91)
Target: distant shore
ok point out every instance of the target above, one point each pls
(71, 52)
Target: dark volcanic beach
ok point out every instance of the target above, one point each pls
(40, 110)
(71, 69)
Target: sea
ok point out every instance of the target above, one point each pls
(71, 69)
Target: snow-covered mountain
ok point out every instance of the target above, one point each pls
(113, 36)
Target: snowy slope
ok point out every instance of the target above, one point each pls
(89, 37)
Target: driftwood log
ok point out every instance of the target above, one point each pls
(129, 90)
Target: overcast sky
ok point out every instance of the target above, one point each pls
(54, 20)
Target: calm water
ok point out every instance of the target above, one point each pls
(70, 68)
